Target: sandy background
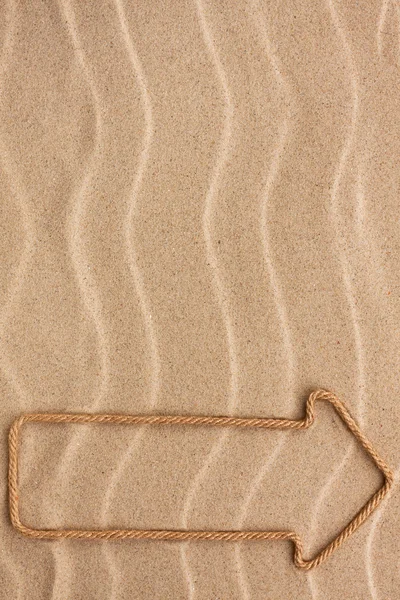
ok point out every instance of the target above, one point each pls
(199, 214)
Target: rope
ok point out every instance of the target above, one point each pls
(151, 534)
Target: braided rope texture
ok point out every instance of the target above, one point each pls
(164, 534)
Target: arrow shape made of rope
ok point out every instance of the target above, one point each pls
(165, 534)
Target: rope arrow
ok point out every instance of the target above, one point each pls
(188, 420)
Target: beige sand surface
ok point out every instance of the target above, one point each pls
(199, 214)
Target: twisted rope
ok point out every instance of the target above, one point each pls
(151, 534)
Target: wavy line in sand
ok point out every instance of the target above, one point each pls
(221, 160)
(283, 133)
(369, 242)
(365, 242)
(318, 504)
(85, 281)
(381, 25)
(18, 190)
(381, 510)
(8, 41)
(382, 22)
(287, 343)
(155, 381)
(398, 25)
(378, 516)
(336, 220)
(246, 505)
(14, 290)
(360, 216)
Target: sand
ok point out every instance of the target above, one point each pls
(199, 215)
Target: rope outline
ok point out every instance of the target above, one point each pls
(165, 534)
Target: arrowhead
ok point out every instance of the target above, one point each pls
(365, 511)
